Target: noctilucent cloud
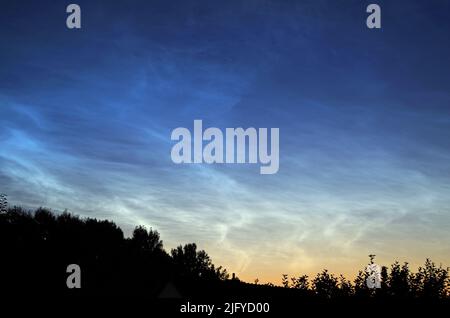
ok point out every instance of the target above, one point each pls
(364, 116)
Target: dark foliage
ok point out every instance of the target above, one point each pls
(37, 247)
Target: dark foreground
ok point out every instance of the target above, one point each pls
(137, 275)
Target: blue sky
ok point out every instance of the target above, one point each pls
(364, 117)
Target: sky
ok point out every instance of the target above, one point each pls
(364, 116)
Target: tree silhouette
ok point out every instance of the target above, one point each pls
(345, 287)
(399, 280)
(325, 284)
(300, 282)
(384, 290)
(37, 247)
(430, 281)
(360, 285)
(193, 263)
(147, 241)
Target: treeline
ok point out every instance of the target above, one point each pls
(398, 281)
(37, 247)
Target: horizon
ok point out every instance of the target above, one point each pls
(232, 275)
(364, 117)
